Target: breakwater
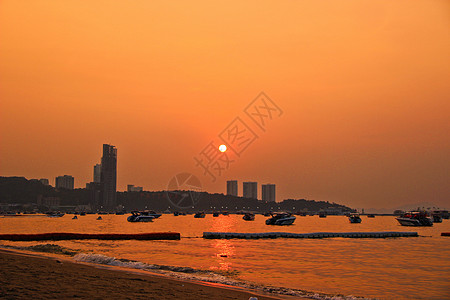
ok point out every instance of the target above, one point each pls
(316, 235)
(58, 236)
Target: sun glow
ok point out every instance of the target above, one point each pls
(222, 148)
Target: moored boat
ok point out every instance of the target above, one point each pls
(199, 215)
(437, 218)
(415, 219)
(322, 215)
(215, 214)
(354, 218)
(137, 216)
(281, 219)
(249, 217)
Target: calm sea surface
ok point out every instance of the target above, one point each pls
(393, 268)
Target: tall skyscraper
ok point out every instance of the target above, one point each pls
(250, 190)
(97, 173)
(108, 177)
(268, 192)
(232, 187)
(64, 182)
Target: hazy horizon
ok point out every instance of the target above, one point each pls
(363, 88)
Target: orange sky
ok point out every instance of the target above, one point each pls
(364, 86)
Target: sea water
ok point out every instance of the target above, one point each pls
(386, 268)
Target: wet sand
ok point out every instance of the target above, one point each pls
(36, 277)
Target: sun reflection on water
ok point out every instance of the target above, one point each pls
(224, 249)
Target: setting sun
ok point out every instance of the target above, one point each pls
(222, 148)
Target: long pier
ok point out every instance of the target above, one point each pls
(316, 235)
(59, 236)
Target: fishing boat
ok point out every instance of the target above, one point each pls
(249, 217)
(354, 218)
(199, 215)
(415, 219)
(281, 219)
(137, 216)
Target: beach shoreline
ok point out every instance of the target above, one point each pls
(25, 274)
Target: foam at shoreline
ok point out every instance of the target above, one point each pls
(187, 273)
(181, 273)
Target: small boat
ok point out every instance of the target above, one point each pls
(74, 218)
(215, 214)
(176, 214)
(249, 217)
(437, 218)
(371, 216)
(322, 215)
(99, 218)
(415, 219)
(137, 216)
(55, 214)
(354, 218)
(199, 215)
(225, 213)
(281, 219)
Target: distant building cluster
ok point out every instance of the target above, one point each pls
(102, 191)
(250, 190)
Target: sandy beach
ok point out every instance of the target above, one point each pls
(31, 276)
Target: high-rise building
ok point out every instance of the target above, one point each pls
(232, 187)
(64, 182)
(108, 177)
(97, 173)
(250, 190)
(268, 192)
